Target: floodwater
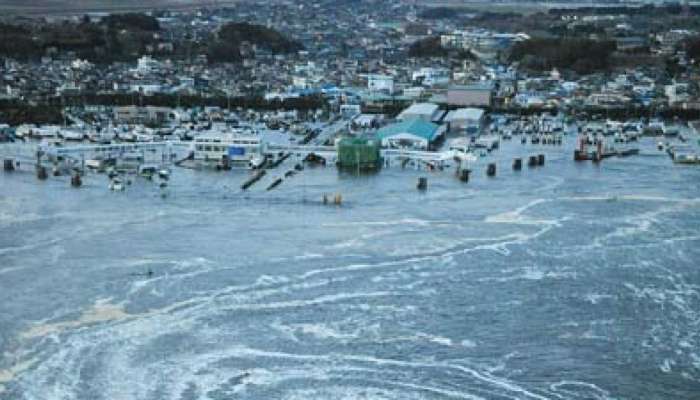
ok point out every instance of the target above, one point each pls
(567, 281)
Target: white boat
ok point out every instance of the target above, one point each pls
(72, 134)
(147, 170)
(46, 132)
(94, 164)
(257, 162)
(488, 142)
(24, 131)
(116, 185)
(164, 173)
(104, 137)
(143, 137)
(127, 136)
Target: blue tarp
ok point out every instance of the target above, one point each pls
(236, 151)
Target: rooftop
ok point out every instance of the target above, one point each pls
(465, 113)
(427, 109)
(416, 127)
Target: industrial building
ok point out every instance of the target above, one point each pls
(427, 112)
(415, 134)
(358, 154)
(465, 120)
(473, 95)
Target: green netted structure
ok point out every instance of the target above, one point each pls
(357, 153)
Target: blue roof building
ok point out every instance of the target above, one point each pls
(413, 133)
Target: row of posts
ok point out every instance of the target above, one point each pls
(9, 165)
(464, 173)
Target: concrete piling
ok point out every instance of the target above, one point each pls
(8, 165)
(41, 172)
(422, 183)
(491, 169)
(75, 180)
(464, 175)
(517, 164)
(532, 161)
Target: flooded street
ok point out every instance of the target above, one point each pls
(567, 281)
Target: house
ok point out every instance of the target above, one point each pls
(428, 76)
(414, 134)
(424, 111)
(474, 95)
(367, 120)
(149, 114)
(350, 110)
(380, 83)
(468, 120)
(631, 43)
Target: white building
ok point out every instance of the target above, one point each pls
(429, 76)
(424, 111)
(483, 43)
(147, 64)
(350, 110)
(380, 83)
(146, 88)
(466, 120)
(677, 93)
(415, 134)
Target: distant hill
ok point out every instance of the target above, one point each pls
(47, 7)
(227, 47)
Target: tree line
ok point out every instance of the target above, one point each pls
(126, 37)
(17, 112)
(226, 46)
(583, 56)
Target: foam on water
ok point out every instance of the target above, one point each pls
(101, 311)
(428, 305)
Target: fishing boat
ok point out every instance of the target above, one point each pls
(116, 185)
(71, 134)
(257, 161)
(147, 170)
(103, 137)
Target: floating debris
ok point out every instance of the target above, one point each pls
(274, 184)
(250, 182)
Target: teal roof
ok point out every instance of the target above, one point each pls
(416, 127)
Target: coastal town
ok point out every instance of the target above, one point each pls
(349, 199)
(244, 85)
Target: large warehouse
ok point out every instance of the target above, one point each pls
(414, 134)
